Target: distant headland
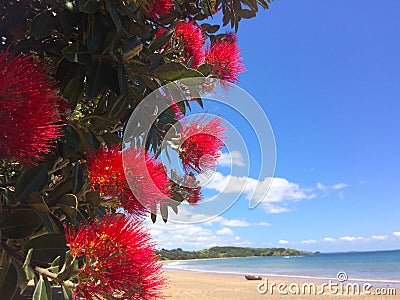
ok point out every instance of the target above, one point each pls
(227, 251)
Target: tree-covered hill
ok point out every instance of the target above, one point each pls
(220, 252)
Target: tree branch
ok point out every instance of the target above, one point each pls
(39, 270)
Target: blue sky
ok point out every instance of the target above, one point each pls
(327, 76)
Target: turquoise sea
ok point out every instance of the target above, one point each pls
(376, 266)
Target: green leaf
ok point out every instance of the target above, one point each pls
(49, 223)
(246, 13)
(31, 180)
(175, 209)
(210, 28)
(19, 224)
(252, 4)
(64, 19)
(48, 288)
(28, 258)
(89, 6)
(70, 141)
(170, 71)
(23, 280)
(93, 198)
(47, 247)
(96, 78)
(30, 273)
(112, 138)
(95, 33)
(131, 43)
(113, 14)
(226, 18)
(94, 144)
(61, 189)
(118, 108)
(182, 107)
(199, 101)
(122, 81)
(156, 60)
(160, 41)
(69, 268)
(69, 204)
(40, 290)
(37, 202)
(43, 24)
(8, 286)
(76, 53)
(67, 293)
(205, 69)
(73, 90)
(78, 178)
(153, 217)
(56, 264)
(263, 3)
(190, 73)
(164, 212)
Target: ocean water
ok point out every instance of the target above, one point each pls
(379, 266)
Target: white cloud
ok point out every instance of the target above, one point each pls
(231, 158)
(308, 242)
(233, 223)
(280, 190)
(238, 223)
(379, 237)
(187, 215)
(283, 242)
(274, 209)
(262, 224)
(339, 186)
(396, 233)
(190, 236)
(225, 231)
(334, 187)
(329, 239)
(351, 238)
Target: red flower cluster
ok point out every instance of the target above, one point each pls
(28, 109)
(144, 175)
(192, 38)
(119, 260)
(158, 8)
(224, 55)
(200, 144)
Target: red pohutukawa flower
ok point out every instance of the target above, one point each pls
(200, 144)
(144, 175)
(119, 260)
(28, 109)
(224, 55)
(158, 8)
(192, 38)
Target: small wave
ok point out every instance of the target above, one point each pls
(293, 256)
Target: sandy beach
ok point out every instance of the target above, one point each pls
(195, 285)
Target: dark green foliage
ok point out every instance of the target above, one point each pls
(220, 252)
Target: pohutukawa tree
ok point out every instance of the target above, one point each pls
(71, 74)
